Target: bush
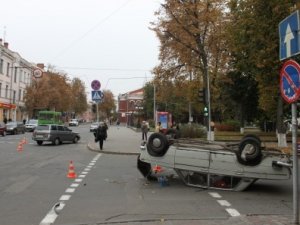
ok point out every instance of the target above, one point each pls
(230, 125)
(192, 131)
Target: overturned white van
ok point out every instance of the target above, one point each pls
(218, 165)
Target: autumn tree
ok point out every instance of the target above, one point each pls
(254, 44)
(190, 33)
(107, 106)
(53, 91)
(79, 100)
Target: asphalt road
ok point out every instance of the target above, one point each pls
(110, 190)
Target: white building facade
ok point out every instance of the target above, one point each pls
(15, 75)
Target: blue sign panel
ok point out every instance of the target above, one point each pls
(97, 96)
(289, 36)
(290, 81)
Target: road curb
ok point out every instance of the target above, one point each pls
(89, 146)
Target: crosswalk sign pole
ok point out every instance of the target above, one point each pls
(97, 111)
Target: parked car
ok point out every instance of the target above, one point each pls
(15, 128)
(56, 134)
(2, 129)
(94, 126)
(216, 165)
(31, 125)
(74, 122)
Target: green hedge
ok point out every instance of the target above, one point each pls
(192, 131)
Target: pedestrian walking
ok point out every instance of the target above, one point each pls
(158, 128)
(101, 134)
(145, 129)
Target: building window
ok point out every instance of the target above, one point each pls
(1, 66)
(14, 97)
(23, 95)
(15, 74)
(20, 94)
(6, 91)
(21, 76)
(7, 69)
(0, 89)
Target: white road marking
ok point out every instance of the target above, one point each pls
(224, 203)
(53, 213)
(65, 197)
(87, 169)
(74, 185)
(215, 195)
(233, 212)
(70, 190)
(84, 172)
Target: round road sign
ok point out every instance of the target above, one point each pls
(290, 81)
(96, 85)
(37, 73)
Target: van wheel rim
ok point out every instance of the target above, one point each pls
(156, 142)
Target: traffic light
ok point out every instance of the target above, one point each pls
(94, 109)
(205, 111)
(202, 95)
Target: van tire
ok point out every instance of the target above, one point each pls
(249, 152)
(157, 144)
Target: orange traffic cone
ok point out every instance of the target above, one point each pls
(157, 169)
(20, 147)
(24, 141)
(71, 173)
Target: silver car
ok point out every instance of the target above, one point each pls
(55, 134)
(94, 126)
(30, 125)
(227, 166)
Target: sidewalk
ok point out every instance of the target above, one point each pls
(120, 140)
(125, 141)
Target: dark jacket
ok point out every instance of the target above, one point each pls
(101, 132)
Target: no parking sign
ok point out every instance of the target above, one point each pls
(290, 81)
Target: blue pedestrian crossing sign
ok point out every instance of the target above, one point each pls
(97, 96)
(289, 36)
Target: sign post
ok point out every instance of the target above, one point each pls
(290, 92)
(97, 95)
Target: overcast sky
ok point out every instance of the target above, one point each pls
(109, 41)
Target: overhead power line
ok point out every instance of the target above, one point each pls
(89, 31)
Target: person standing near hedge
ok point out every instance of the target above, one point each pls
(145, 129)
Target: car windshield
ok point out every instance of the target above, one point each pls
(32, 122)
(11, 124)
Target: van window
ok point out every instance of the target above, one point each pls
(53, 127)
(60, 128)
(42, 127)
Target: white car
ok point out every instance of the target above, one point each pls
(94, 126)
(31, 125)
(214, 165)
(73, 122)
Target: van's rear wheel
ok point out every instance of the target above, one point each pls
(157, 144)
(249, 152)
